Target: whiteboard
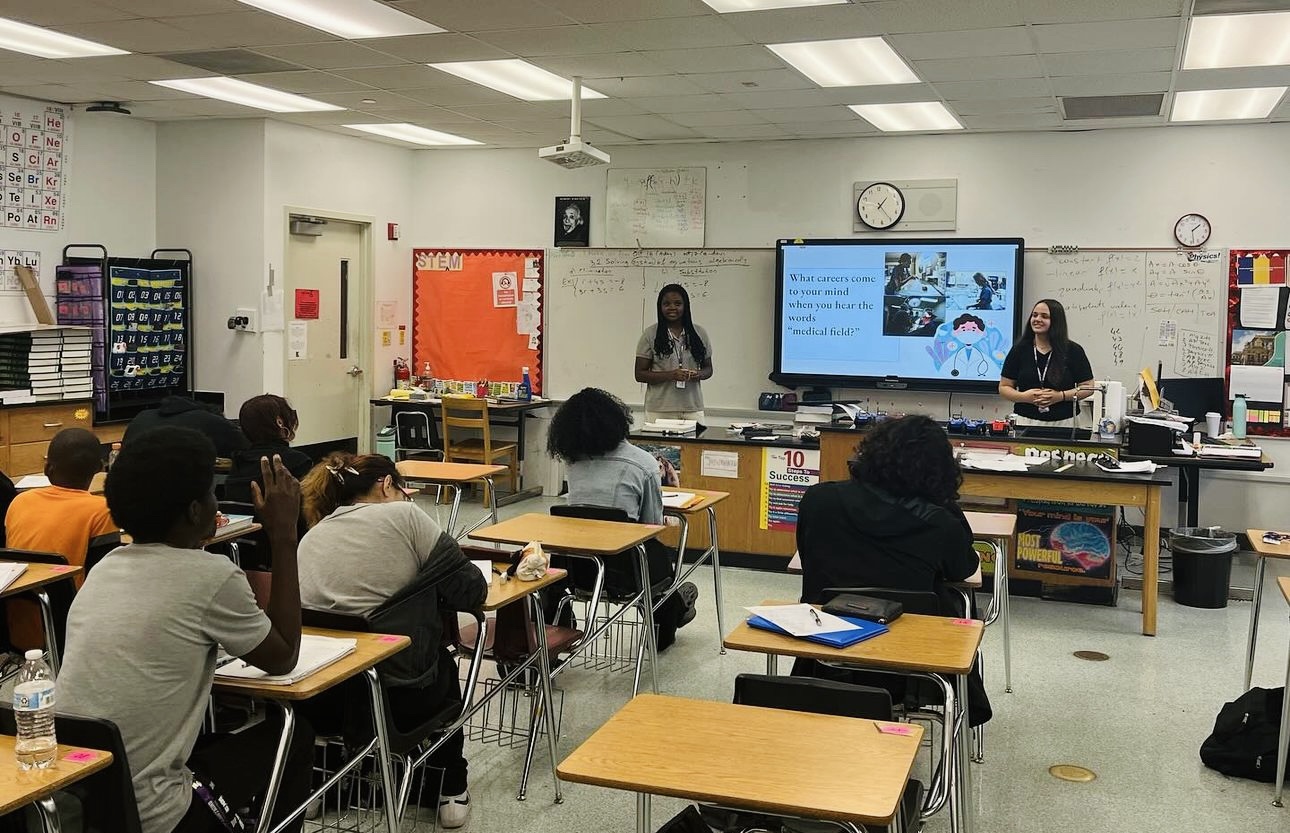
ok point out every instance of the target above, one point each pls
(648, 207)
(1134, 309)
(598, 301)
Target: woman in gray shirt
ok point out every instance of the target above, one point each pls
(672, 357)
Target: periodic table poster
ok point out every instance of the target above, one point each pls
(34, 162)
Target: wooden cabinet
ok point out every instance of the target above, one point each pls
(25, 432)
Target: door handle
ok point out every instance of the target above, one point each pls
(355, 371)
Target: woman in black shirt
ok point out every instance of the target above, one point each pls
(1045, 373)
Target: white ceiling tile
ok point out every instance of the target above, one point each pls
(1066, 11)
(738, 82)
(45, 71)
(58, 12)
(603, 11)
(425, 115)
(335, 55)
(516, 110)
(60, 93)
(796, 115)
(1142, 82)
(645, 127)
(827, 129)
(1000, 88)
(610, 107)
(134, 91)
(786, 98)
(1219, 79)
(325, 117)
(140, 67)
(249, 28)
(170, 8)
(874, 94)
(353, 100)
(719, 118)
(899, 16)
(554, 40)
(716, 59)
(437, 48)
(141, 35)
(1106, 35)
(810, 23)
(1011, 121)
(971, 43)
(155, 110)
(604, 65)
(684, 103)
(558, 129)
(196, 106)
(483, 15)
(305, 82)
(671, 33)
(458, 95)
(647, 85)
(1112, 62)
(980, 69)
(736, 132)
(993, 106)
(401, 77)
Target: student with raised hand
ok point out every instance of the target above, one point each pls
(371, 546)
(142, 637)
(269, 424)
(672, 357)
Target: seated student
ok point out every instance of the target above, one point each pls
(895, 523)
(269, 424)
(61, 518)
(372, 544)
(185, 413)
(142, 636)
(589, 433)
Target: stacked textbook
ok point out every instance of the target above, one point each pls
(45, 365)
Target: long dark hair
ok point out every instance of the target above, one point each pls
(1058, 338)
(662, 342)
(589, 424)
(909, 457)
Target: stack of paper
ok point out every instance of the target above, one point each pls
(813, 415)
(1236, 449)
(9, 572)
(679, 500)
(232, 523)
(315, 652)
(43, 365)
(670, 426)
(1008, 462)
(75, 364)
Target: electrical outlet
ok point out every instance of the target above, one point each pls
(252, 316)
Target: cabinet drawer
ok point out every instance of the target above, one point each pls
(29, 425)
(4, 459)
(27, 458)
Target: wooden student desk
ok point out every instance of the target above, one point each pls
(596, 540)
(765, 760)
(920, 646)
(454, 476)
(33, 581)
(370, 650)
(706, 504)
(1263, 551)
(18, 787)
(998, 529)
(1283, 741)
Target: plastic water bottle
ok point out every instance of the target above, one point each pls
(33, 706)
(525, 393)
(1239, 417)
(113, 454)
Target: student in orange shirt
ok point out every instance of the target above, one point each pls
(60, 518)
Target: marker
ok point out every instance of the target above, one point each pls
(1061, 469)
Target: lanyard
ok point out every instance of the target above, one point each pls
(1043, 372)
(679, 343)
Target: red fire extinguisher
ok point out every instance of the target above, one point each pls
(402, 374)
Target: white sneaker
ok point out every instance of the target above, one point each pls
(454, 810)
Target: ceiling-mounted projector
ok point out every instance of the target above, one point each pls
(574, 153)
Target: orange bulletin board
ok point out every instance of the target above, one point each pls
(456, 324)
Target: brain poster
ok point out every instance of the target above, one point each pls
(1066, 543)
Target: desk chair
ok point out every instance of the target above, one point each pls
(99, 547)
(806, 694)
(415, 437)
(107, 796)
(60, 593)
(250, 551)
(466, 413)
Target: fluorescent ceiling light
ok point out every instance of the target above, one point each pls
(1225, 105)
(350, 19)
(1238, 40)
(46, 43)
(412, 133)
(854, 62)
(915, 115)
(518, 78)
(725, 6)
(250, 95)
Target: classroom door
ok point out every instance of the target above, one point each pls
(325, 375)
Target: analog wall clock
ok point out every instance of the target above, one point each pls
(880, 206)
(1192, 230)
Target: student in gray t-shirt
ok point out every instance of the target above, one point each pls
(672, 357)
(144, 630)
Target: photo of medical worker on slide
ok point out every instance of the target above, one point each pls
(914, 294)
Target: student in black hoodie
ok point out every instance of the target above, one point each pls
(895, 523)
(180, 412)
(269, 424)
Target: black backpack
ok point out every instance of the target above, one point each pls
(1244, 740)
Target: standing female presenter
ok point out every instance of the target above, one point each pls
(672, 357)
(1045, 373)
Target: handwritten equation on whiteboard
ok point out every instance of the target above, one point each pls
(656, 207)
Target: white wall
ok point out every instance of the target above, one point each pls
(109, 198)
(1102, 188)
(210, 199)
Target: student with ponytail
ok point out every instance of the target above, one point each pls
(369, 548)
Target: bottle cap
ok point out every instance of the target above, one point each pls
(35, 653)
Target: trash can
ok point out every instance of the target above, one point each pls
(1202, 565)
(386, 441)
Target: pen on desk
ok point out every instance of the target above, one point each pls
(1061, 469)
(816, 617)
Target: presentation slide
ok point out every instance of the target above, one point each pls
(909, 309)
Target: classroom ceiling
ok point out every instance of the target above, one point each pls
(672, 70)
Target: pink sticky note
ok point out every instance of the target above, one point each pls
(962, 621)
(389, 637)
(895, 729)
(81, 756)
(60, 568)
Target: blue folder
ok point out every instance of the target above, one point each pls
(835, 639)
